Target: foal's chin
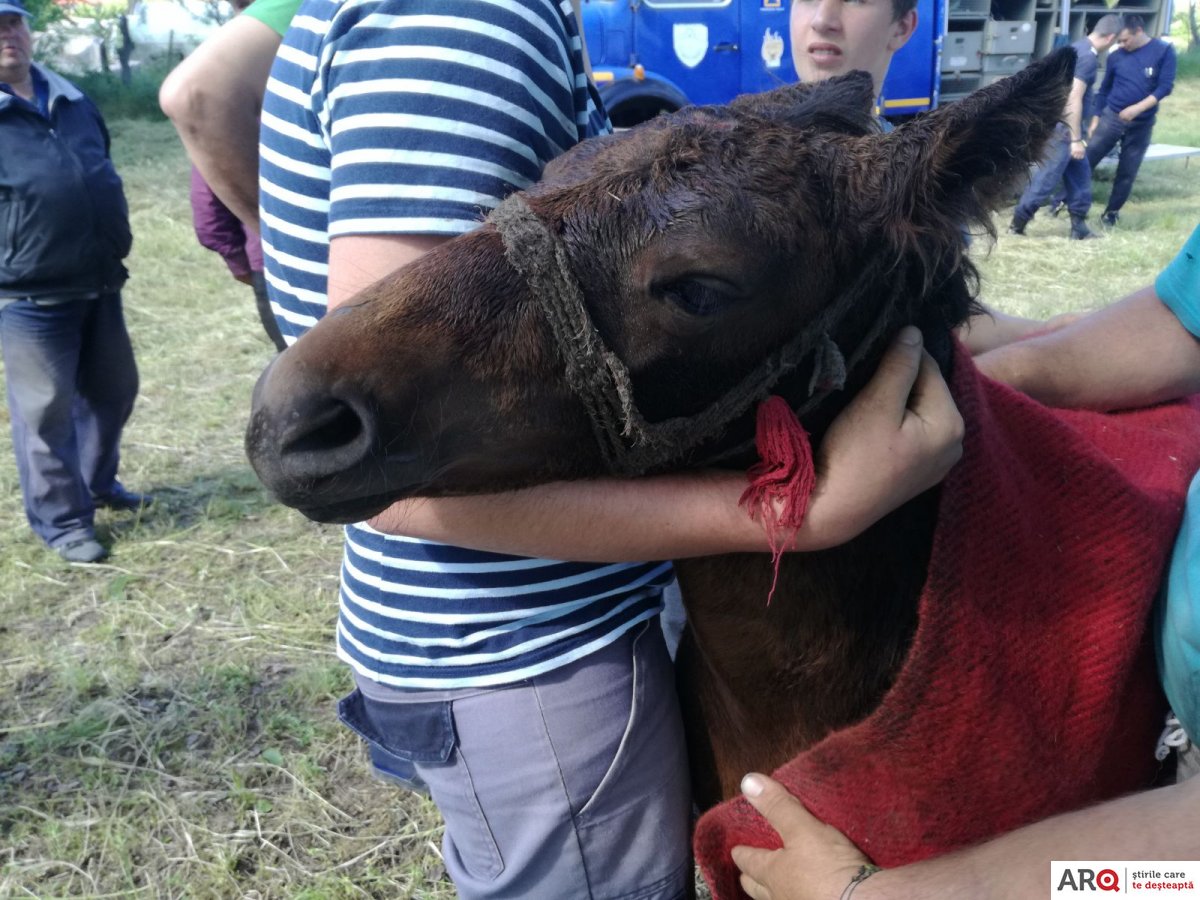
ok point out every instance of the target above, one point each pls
(344, 513)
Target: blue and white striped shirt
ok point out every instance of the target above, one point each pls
(419, 116)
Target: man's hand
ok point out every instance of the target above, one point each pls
(897, 438)
(817, 861)
(1078, 150)
(1131, 112)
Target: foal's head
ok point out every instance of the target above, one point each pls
(691, 265)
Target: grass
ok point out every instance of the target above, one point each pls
(167, 723)
(168, 718)
(136, 100)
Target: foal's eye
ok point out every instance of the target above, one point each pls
(696, 296)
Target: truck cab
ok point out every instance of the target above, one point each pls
(651, 56)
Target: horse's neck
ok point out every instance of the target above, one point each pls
(768, 681)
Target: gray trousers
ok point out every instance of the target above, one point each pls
(571, 784)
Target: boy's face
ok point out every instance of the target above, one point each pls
(832, 37)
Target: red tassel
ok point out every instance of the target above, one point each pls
(785, 474)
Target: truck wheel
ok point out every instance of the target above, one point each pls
(637, 110)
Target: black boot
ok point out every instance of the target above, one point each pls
(1079, 229)
(1018, 223)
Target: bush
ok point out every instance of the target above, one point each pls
(1189, 64)
(136, 100)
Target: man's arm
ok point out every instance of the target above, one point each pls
(1133, 110)
(1101, 101)
(899, 437)
(1074, 118)
(1166, 74)
(1133, 353)
(991, 329)
(214, 97)
(817, 862)
(357, 261)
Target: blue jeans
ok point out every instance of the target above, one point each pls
(72, 381)
(1134, 138)
(569, 786)
(1058, 165)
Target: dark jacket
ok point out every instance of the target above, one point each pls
(64, 222)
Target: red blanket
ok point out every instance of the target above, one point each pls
(1030, 687)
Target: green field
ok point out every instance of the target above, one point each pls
(167, 721)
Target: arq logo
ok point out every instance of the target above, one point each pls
(1080, 879)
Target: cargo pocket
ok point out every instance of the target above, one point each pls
(400, 734)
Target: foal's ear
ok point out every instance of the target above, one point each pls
(842, 103)
(964, 157)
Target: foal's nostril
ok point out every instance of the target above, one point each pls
(324, 436)
(335, 427)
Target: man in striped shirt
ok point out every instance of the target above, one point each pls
(534, 697)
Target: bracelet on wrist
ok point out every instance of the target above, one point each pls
(864, 872)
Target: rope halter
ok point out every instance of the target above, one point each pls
(629, 445)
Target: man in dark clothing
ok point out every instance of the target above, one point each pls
(1065, 158)
(1137, 78)
(68, 362)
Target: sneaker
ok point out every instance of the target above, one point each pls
(1017, 225)
(1057, 206)
(124, 501)
(87, 550)
(1109, 219)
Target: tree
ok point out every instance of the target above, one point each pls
(44, 12)
(107, 22)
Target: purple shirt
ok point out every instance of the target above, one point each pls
(221, 231)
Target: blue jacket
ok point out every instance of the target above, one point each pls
(64, 222)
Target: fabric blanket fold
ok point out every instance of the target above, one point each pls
(1030, 686)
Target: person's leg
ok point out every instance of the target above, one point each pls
(265, 314)
(41, 346)
(1108, 133)
(1077, 178)
(1044, 180)
(106, 389)
(1134, 144)
(1104, 138)
(573, 784)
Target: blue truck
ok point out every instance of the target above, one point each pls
(650, 56)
